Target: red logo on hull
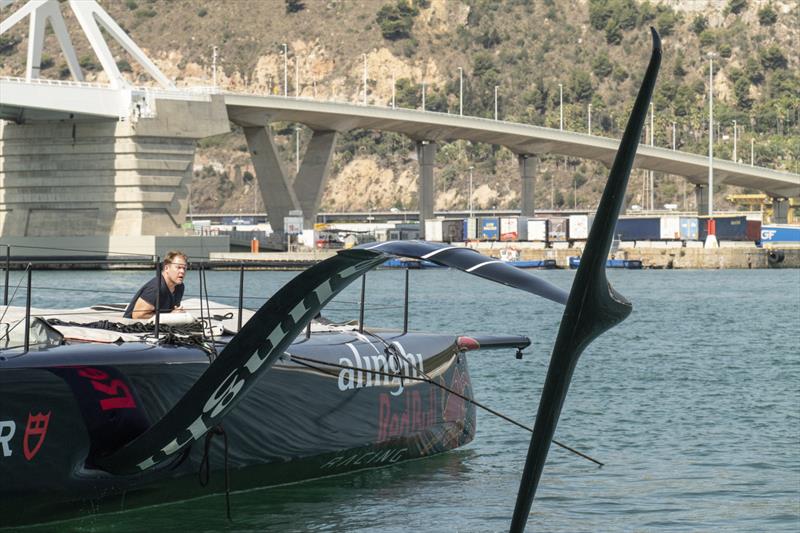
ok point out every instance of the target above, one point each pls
(36, 429)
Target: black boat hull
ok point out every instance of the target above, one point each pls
(62, 407)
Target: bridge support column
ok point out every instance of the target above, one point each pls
(276, 189)
(701, 199)
(74, 178)
(426, 155)
(528, 164)
(780, 211)
(309, 185)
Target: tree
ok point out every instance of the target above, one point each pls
(772, 58)
(741, 88)
(581, 85)
(293, 6)
(699, 24)
(665, 22)
(601, 66)
(613, 32)
(396, 21)
(767, 16)
(736, 6)
(753, 71)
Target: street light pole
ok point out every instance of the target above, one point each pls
(673, 135)
(365, 78)
(296, 76)
(470, 190)
(710, 135)
(285, 71)
(214, 65)
(734, 142)
(590, 119)
(561, 106)
(297, 149)
(460, 91)
(423, 95)
(752, 152)
(495, 102)
(393, 90)
(711, 239)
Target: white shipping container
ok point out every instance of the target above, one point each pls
(537, 229)
(509, 229)
(579, 227)
(472, 229)
(671, 227)
(433, 229)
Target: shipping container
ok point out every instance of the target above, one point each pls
(489, 228)
(537, 229)
(508, 229)
(557, 229)
(689, 231)
(638, 229)
(775, 233)
(671, 227)
(444, 229)
(727, 228)
(433, 230)
(470, 228)
(522, 228)
(579, 226)
(753, 230)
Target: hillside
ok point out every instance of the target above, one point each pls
(596, 49)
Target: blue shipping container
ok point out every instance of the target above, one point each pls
(689, 230)
(780, 234)
(728, 228)
(638, 229)
(489, 228)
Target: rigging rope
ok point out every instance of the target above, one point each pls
(204, 473)
(305, 361)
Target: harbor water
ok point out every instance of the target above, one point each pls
(692, 403)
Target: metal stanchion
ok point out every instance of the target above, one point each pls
(405, 307)
(361, 311)
(28, 309)
(8, 268)
(158, 294)
(241, 294)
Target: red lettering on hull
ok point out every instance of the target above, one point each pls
(415, 415)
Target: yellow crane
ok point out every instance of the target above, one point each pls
(762, 202)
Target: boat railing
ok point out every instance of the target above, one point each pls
(29, 263)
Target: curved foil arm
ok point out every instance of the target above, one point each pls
(593, 306)
(473, 263)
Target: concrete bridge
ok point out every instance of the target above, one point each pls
(116, 159)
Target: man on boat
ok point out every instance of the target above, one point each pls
(143, 304)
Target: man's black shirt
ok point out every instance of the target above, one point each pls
(167, 301)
